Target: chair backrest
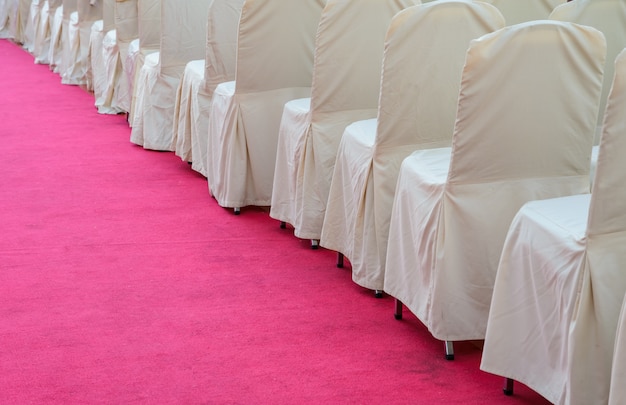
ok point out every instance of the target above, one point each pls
(69, 6)
(126, 20)
(423, 59)
(108, 15)
(528, 104)
(183, 33)
(149, 25)
(88, 13)
(607, 212)
(53, 4)
(608, 16)
(348, 53)
(276, 40)
(517, 11)
(221, 42)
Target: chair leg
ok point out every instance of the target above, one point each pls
(283, 225)
(236, 210)
(397, 313)
(340, 260)
(508, 386)
(378, 293)
(449, 350)
(315, 244)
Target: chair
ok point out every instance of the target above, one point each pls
(345, 85)
(523, 132)
(147, 43)
(55, 55)
(274, 65)
(41, 43)
(516, 11)
(416, 110)
(561, 280)
(126, 31)
(69, 7)
(153, 125)
(104, 57)
(33, 19)
(608, 16)
(193, 100)
(617, 393)
(7, 13)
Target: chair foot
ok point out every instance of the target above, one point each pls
(449, 350)
(340, 260)
(508, 386)
(283, 225)
(378, 293)
(236, 210)
(397, 313)
(315, 244)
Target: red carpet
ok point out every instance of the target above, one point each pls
(122, 281)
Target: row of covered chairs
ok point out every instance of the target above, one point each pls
(404, 136)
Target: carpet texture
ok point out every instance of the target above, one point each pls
(122, 281)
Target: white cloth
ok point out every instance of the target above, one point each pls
(126, 30)
(95, 65)
(608, 16)
(424, 56)
(561, 280)
(523, 132)
(346, 82)
(274, 64)
(193, 103)
(55, 55)
(32, 24)
(41, 45)
(617, 395)
(516, 11)
(183, 38)
(7, 16)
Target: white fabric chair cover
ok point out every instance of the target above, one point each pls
(183, 38)
(76, 66)
(617, 395)
(20, 21)
(32, 24)
(561, 280)
(126, 30)
(7, 16)
(523, 132)
(105, 67)
(608, 16)
(69, 7)
(276, 41)
(41, 45)
(424, 55)
(149, 31)
(193, 101)
(55, 54)
(516, 11)
(346, 83)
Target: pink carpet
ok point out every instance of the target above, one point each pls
(122, 281)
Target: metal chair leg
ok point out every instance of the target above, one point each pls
(340, 260)
(508, 386)
(283, 225)
(236, 210)
(315, 244)
(449, 350)
(397, 313)
(378, 293)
